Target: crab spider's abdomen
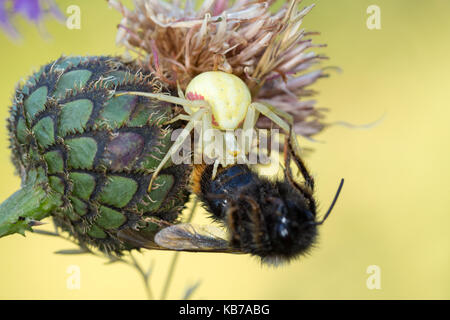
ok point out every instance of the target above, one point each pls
(228, 96)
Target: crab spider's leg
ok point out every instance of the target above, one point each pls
(288, 126)
(265, 110)
(187, 104)
(180, 92)
(290, 119)
(206, 138)
(283, 114)
(249, 125)
(250, 119)
(295, 146)
(184, 117)
(178, 142)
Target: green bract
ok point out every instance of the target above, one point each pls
(86, 156)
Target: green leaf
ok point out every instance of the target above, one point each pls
(31, 203)
(36, 101)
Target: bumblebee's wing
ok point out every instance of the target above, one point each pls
(180, 237)
(137, 239)
(189, 237)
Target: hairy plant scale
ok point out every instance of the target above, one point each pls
(86, 156)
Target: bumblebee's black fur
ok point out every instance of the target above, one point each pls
(273, 220)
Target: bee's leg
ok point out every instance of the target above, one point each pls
(257, 219)
(216, 165)
(302, 167)
(287, 125)
(197, 116)
(188, 105)
(233, 222)
(305, 191)
(286, 153)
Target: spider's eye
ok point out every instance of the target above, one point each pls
(228, 96)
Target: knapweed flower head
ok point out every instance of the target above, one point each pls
(270, 51)
(34, 11)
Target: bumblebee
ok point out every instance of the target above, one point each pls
(274, 220)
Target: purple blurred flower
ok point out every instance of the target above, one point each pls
(32, 10)
(5, 24)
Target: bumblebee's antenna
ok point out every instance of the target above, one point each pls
(332, 203)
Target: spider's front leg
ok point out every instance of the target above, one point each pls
(248, 128)
(179, 117)
(192, 116)
(286, 122)
(188, 105)
(290, 120)
(197, 116)
(252, 116)
(216, 144)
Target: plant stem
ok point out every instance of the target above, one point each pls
(84, 249)
(145, 276)
(175, 257)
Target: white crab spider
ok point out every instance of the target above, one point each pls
(220, 101)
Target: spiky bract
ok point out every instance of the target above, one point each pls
(97, 151)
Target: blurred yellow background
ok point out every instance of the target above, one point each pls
(394, 208)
